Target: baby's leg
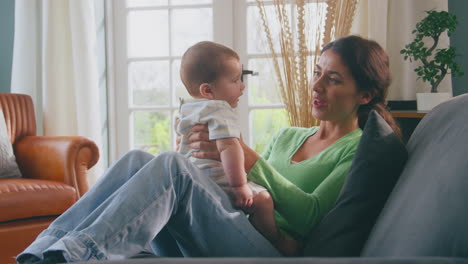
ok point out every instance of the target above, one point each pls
(263, 219)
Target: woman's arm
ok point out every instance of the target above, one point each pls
(300, 209)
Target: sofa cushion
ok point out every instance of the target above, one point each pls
(426, 214)
(25, 198)
(379, 159)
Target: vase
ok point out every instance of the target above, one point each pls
(427, 101)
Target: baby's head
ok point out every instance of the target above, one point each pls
(212, 71)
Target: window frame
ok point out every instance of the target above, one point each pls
(227, 14)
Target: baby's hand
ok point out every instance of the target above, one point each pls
(243, 196)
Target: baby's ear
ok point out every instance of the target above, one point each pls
(206, 91)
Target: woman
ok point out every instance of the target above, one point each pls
(153, 203)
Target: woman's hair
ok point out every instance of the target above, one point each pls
(203, 62)
(369, 66)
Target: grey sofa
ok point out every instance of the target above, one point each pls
(425, 218)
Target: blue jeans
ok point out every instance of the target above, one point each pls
(141, 196)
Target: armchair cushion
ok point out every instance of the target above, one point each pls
(8, 166)
(25, 198)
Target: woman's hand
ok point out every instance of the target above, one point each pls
(199, 139)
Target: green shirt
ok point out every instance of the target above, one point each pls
(303, 192)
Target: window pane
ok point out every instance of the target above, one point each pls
(149, 82)
(190, 26)
(138, 3)
(152, 131)
(264, 124)
(179, 87)
(148, 33)
(265, 1)
(190, 2)
(264, 88)
(314, 14)
(257, 41)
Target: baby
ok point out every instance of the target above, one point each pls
(212, 73)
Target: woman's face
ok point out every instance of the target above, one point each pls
(335, 93)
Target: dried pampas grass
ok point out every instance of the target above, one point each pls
(299, 49)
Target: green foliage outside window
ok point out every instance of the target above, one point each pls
(266, 123)
(152, 131)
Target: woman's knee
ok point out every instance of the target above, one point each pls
(167, 159)
(171, 157)
(129, 163)
(171, 161)
(173, 167)
(137, 154)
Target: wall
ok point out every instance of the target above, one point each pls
(459, 40)
(7, 21)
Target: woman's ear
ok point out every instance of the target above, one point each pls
(366, 97)
(206, 91)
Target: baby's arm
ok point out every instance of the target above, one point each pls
(232, 158)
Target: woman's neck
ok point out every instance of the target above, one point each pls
(335, 130)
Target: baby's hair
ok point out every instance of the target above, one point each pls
(203, 63)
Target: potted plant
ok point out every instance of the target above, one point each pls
(436, 62)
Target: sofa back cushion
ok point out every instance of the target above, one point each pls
(427, 214)
(378, 162)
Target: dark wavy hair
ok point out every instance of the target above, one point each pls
(369, 66)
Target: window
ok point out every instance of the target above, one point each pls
(149, 38)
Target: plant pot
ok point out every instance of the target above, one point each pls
(427, 101)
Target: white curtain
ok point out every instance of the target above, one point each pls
(55, 61)
(390, 23)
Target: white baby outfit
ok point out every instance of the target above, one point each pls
(222, 123)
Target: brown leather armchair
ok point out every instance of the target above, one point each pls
(54, 176)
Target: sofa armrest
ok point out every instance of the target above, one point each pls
(63, 159)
